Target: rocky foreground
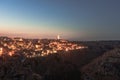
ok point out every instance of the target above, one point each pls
(105, 67)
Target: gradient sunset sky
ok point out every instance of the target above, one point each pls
(72, 19)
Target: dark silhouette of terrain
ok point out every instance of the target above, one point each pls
(105, 67)
(60, 66)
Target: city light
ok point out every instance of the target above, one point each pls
(41, 47)
(1, 51)
(58, 37)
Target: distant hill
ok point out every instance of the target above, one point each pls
(105, 67)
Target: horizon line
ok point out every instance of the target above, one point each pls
(56, 38)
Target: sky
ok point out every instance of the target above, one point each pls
(71, 19)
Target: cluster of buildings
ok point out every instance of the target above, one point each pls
(35, 47)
